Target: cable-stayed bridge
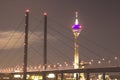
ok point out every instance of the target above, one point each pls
(60, 51)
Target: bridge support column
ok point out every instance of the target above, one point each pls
(44, 76)
(62, 76)
(87, 76)
(56, 76)
(77, 75)
(103, 75)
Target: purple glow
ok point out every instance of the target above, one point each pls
(76, 27)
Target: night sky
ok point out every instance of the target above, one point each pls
(99, 38)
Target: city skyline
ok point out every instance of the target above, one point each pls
(99, 37)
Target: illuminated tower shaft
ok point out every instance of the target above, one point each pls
(76, 54)
(76, 28)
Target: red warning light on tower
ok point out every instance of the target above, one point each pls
(45, 13)
(27, 10)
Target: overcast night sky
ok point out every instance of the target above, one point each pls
(100, 37)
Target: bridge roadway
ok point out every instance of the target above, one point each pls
(87, 71)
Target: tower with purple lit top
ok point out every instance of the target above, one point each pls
(76, 28)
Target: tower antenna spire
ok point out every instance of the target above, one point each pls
(76, 18)
(76, 14)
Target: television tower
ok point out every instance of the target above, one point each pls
(76, 28)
